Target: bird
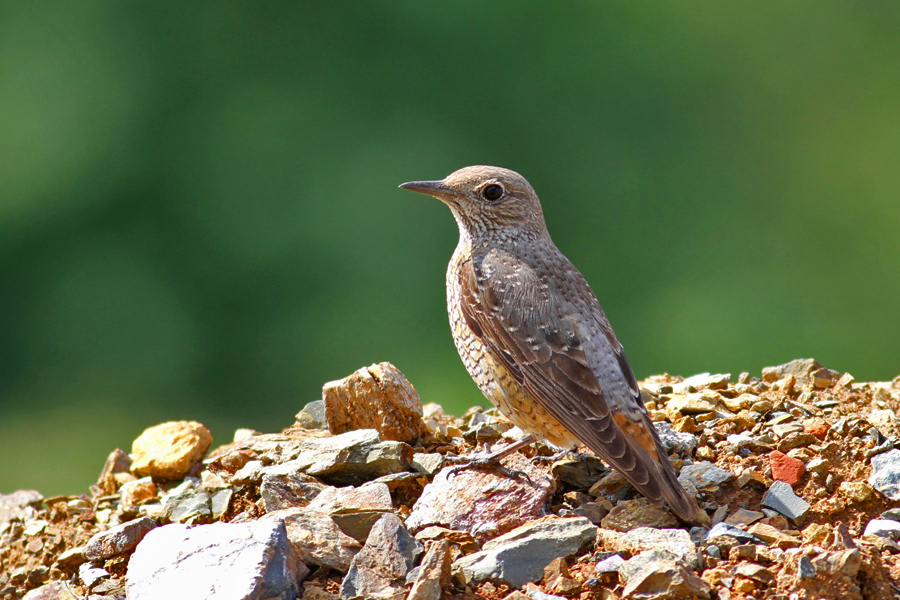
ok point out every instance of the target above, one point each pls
(533, 336)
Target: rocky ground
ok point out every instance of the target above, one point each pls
(796, 470)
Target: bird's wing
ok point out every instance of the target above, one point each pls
(565, 354)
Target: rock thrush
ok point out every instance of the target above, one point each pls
(532, 335)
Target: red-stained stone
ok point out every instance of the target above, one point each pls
(819, 431)
(785, 468)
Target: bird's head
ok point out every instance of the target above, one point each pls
(485, 199)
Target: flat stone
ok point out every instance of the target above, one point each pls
(580, 473)
(705, 475)
(629, 514)
(483, 502)
(666, 580)
(375, 397)
(119, 539)
(351, 458)
(675, 442)
(786, 468)
(774, 536)
(757, 573)
(312, 416)
(137, 492)
(742, 516)
(168, 451)
(354, 510)
(676, 541)
(885, 475)
(433, 574)
(781, 497)
(317, 539)
(220, 561)
(379, 570)
(724, 529)
(287, 490)
(520, 555)
(796, 439)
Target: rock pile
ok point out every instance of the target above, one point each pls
(797, 471)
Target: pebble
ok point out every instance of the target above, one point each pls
(610, 564)
(280, 490)
(375, 397)
(675, 442)
(801, 369)
(724, 529)
(221, 561)
(782, 498)
(119, 539)
(705, 475)
(379, 570)
(520, 555)
(312, 416)
(168, 451)
(742, 516)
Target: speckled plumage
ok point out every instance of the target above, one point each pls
(532, 335)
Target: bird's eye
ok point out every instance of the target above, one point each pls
(492, 192)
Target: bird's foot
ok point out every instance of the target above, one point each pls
(491, 461)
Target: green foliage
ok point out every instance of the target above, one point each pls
(199, 215)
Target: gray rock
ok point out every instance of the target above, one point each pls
(434, 573)
(281, 490)
(219, 501)
(312, 416)
(351, 458)
(704, 475)
(354, 510)
(379, 570)
(885, 475)
(580, 473)
(886, 528)
(805, 568)
(677, 442)
(317, 539)
(720, 529)
(188, 506)
(676, 541)
(610, 564)
(221, 561)
(520, 556)
(119, 539)
(781, 497)
(892, 513)
(428, 463)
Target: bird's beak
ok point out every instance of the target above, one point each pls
(431, 188)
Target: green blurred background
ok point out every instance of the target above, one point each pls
(199, 213)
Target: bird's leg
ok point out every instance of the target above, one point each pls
(491, 460)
